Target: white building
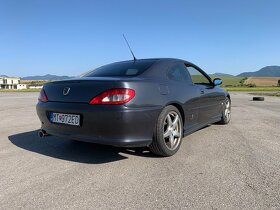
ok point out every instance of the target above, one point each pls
(21, 86)
(11, 83)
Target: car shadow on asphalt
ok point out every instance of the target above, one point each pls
(73, 150)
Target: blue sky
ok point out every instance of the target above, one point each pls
(68, 37)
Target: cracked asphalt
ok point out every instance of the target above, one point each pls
(236, 166)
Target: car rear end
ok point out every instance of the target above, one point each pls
(105, 110)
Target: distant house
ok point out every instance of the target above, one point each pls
(21, 86)
(11, 83)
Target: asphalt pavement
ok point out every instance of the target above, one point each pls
(234, 166)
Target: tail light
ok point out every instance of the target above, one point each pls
(43, 96)
(114, 96)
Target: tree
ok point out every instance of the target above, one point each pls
(242, 81)
(278, 83)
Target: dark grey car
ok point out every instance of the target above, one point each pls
(147, 102)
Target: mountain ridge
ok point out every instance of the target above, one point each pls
(46, 77)
(268, 71)
(218, 74)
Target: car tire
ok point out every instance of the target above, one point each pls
(168, 132)
(226, 113)
(258, 98)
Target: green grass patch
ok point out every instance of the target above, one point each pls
(266, 94)
(23, 90)
(244, 88)
(229, 81)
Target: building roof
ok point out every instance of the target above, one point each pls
(15, 78)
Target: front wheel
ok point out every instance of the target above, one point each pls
(226, 115)
(168, 132)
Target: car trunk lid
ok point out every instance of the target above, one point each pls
(80, 90)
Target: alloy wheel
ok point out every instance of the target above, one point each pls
(227, 109)
(172, 130)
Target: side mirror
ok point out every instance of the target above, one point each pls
(217, 81)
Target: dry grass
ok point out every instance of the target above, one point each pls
(31, 82)
(20, 90)
(262, 81)
(245, 88)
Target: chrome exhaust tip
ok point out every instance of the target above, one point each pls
(42, 133)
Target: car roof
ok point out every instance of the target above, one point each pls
(153, 59)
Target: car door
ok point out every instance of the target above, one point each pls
(184, 91)
(209, 105)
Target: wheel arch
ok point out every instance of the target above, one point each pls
(227, 95)
(181, 110)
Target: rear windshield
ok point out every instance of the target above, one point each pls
(122, 69)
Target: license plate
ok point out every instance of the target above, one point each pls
(68, 119)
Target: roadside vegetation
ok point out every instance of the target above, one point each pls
(230, 83)
(246, 88)
(266, 93)
(20, 90)
(34, 82)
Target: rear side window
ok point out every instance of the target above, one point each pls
(122, 69)
(178, 72)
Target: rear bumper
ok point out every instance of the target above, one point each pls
(102, 124)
